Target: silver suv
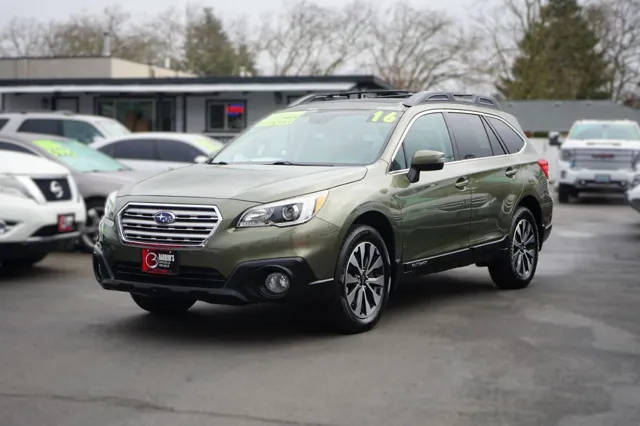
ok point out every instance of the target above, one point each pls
(83, 128)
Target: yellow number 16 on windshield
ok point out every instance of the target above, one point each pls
(384, 117)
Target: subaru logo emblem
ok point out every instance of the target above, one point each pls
(164, 218)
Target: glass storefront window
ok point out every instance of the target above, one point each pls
(226, 115)
(139, 114)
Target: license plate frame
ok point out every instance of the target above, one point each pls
(66, 222)
(159, 262)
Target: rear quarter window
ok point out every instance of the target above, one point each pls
(510, 138)
(3, 121)
(41, 125)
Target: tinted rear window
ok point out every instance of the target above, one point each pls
(133, 149)
(41, 125)
(510, 138)
(470, 135)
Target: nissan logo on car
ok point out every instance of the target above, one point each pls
(164, 218)
(56, 189)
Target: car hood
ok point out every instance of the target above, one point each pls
(601, 144)
(254, 183)
(100, 184)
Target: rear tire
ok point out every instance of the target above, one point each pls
(564, 193)
(363, 281)
(163, 305)
(516, 266)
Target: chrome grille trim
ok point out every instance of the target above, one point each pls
(602, 158)
(194, 224)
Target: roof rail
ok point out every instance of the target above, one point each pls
(424, 97)
(315, 97)
(40, 111)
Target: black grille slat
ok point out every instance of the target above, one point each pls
(192, 226)
(188, 276)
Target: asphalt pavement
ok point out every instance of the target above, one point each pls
(450, 350)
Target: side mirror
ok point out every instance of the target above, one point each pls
(200, 159)
(554, 139)
(425, 160)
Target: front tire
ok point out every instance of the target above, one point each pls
(516, 266)
(363, 280)
(163, 305)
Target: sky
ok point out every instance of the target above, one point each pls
(228, 10)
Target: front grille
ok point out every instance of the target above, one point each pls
(189, 276)
(602, 159)
(54, 189)
(192, 225)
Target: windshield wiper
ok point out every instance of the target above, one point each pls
(283, 163)
(219, 163)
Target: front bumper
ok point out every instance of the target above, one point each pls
(231, 266)
(244, 285)
(36, 245)
(595, 180)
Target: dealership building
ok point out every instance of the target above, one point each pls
(146, 98)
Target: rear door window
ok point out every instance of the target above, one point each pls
(427, 132)
(511, 139)
(3, 121)
(45, 126)
(169, 150)
(132, 149)
(471, 138)
(80, 131)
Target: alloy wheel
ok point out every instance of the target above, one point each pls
(364, 283)
(524, 249)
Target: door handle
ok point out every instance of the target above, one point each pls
(510, 172)
(462, 183)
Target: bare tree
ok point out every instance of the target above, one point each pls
(617, 23)
(21, 37)
(309, 39)
(419, 48)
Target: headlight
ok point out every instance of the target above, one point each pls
(293, 211)
(110, 206)
(636, 181)
(9, 185)
(566, 155)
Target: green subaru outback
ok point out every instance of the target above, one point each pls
(334, 201)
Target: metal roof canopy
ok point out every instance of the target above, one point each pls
(179, 88)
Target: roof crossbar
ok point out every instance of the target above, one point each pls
(424, 97)
(410, 98)
(315, 97)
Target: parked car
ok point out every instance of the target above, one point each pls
(598, 156)
(41, 209)
(83, 128)
(159, 151)
(633, 194)
(338, 201)
(96, 174)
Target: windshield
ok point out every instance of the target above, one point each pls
(112, 128)
(79, 157)
(333, 137)
(616, 131)
(209, 145)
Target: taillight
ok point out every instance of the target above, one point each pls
(544, 165)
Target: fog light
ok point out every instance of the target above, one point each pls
(277, 282)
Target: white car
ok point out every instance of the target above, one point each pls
(40, 208)
(159, 151)
(83, 128)
(598, 156)
(633, 194)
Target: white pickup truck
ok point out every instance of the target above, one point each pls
(40, 208)
(599, 156)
